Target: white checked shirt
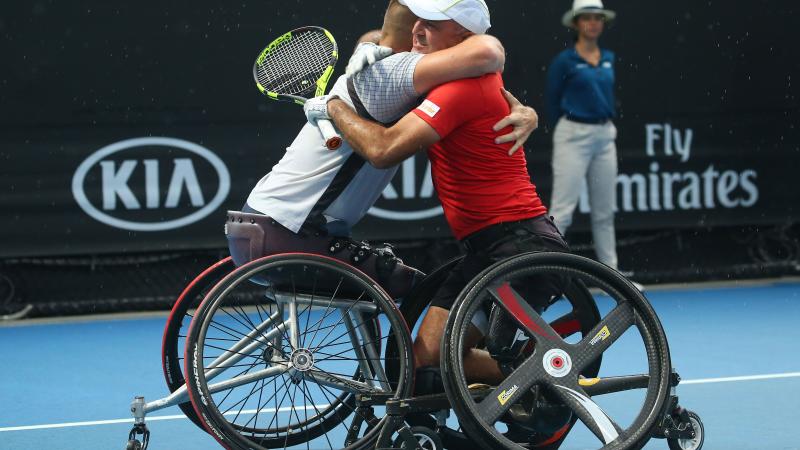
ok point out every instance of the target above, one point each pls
(310, 179)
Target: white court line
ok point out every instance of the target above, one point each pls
(149, 419)
(285, 409)
(747, 378)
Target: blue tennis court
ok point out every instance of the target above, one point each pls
(68, 383)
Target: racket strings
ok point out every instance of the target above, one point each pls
(294, 66)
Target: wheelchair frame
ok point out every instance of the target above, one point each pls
(675, 423)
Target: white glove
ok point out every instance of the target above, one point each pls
(317, 108)
(366, 53)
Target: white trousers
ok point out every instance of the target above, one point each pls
(584, 153)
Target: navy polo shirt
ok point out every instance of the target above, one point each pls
(578, 90)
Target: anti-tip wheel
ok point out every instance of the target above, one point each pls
(427, 438)
(695, 443)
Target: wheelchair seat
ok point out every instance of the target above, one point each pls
(253, 236)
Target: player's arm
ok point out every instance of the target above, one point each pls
(475, 56)
(382, 147)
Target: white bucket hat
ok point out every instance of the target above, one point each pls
(586, 7)
(470, 14)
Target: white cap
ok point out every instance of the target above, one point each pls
(470, 14)
(586, 7)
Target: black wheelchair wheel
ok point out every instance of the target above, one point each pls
(174, 337)
(575, 314)
(285, 367)
(578, 312)
(630, 335)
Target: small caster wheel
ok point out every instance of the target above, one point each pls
(133, 444)
(695, 443)
(427, 438)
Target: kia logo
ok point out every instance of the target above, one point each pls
(409, 197)
(151, 184)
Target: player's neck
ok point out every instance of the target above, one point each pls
(398, 45)
(396, 34)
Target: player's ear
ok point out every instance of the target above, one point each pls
(373, 36)
(465, 33)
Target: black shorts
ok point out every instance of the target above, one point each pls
(496, 243)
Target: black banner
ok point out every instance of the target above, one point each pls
(129, 127)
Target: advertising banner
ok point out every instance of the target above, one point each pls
(133, 127)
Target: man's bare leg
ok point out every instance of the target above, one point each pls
(478, 364)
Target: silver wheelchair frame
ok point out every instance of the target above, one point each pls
(351, 314)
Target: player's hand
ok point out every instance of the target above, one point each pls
(317, 108)
(366, 53)
(524, 120)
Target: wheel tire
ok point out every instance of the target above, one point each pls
(227, 433)
(172, 348)
(637, 310)
(690, 444)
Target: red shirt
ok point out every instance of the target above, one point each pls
(477, 182)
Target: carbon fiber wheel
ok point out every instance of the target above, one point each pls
(629, 337)
(572, 315)
(285, 368)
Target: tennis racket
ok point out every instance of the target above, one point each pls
(296, 67)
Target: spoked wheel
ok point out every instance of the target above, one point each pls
(285, 368)
(572, 314)
(174, 338)
(619, 408)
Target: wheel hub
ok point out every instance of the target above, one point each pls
(302, 359)
(557, 363)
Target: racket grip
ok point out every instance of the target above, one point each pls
(332, 139)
